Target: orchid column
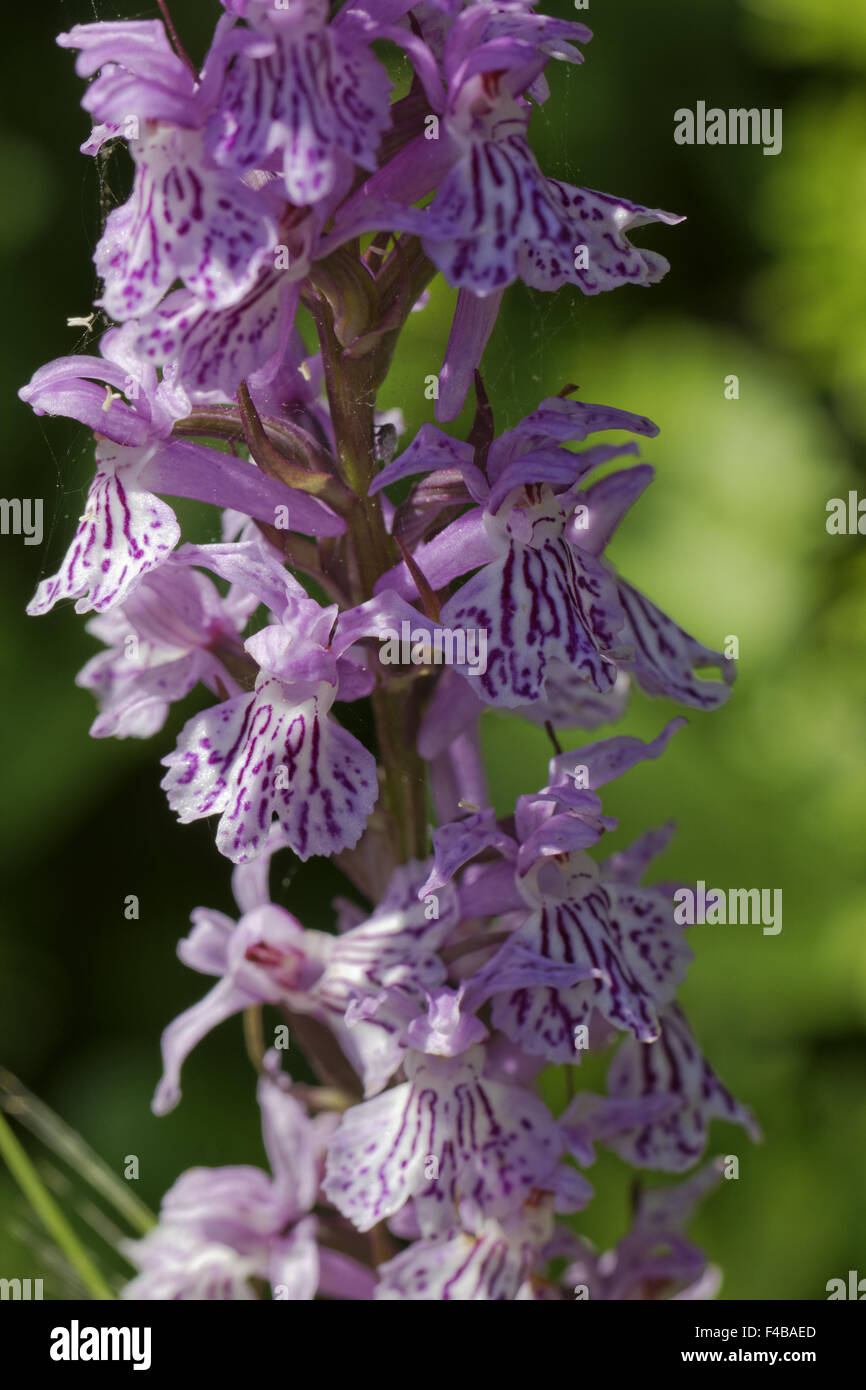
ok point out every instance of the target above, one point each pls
(278, 188)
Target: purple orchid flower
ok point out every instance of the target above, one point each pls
(266, 957)
(186, 218)
(136, 73)
(588, 943)
(173, 632)
(492, 1261)
(444, 1138)
(674, 1068)
(550, 604)
(502, 219)
(206, 207)
(304, 91)
(654, 1260)
(220, 1229)
(277, 752)
(387, 959)
(126, 530)
(182, 222)
(453, 979)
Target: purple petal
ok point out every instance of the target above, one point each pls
(570, 703)
(184, 469)
(176, 1263)
(234, 1205)
(306, 98)
(452, 709)
(519, 966)
(538, 604)
(462, 546)
(607, 502)
(184, 222)
(591, 1119)
(493, 1143)
(187, 1030)
(62, 388)
(293, 1267)
(217, 350)
(268, 755)
(629, 865)
(599, 222)
(577, 931)
(142, 72)
(653, 943)
(342, 1277)
(457, 775)
(206, 947)
(295, 1144)
(125, 533)
(473, 323)
(559, 420)
(675, 1067)
(665, 657)
(432, 449)
(250, 566)
(493, 199)
(447, 1029)
(488, 1267)
(455, 844)
(134, 699)
(610, 757)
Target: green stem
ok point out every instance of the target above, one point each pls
(352, 399)
(352, 396)
(405, 780)
(49, 1212)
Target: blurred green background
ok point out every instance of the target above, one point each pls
(768, 282)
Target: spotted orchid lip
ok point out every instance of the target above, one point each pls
(205, 229)
(124, 533)
(376, 1158)
(678, 1073)
(261, 756)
